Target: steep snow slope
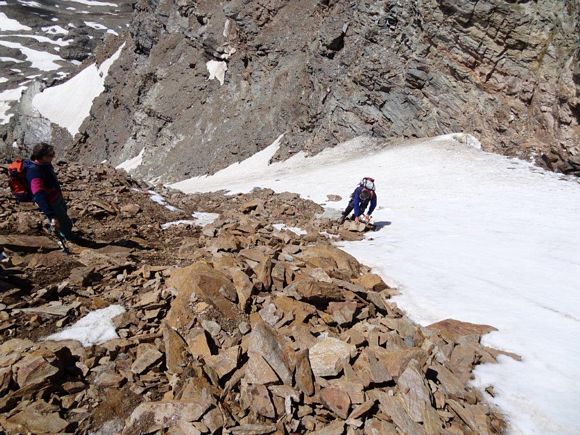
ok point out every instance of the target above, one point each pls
(468, 235)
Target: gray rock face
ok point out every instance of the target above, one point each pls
(323, 72)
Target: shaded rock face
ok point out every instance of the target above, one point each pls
(323, 72)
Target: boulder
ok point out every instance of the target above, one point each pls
(329, 356)
(204, 282)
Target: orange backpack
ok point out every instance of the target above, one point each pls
(17, 181)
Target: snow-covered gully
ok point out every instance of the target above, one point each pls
(467, 235)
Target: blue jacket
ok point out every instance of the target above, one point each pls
(43, 185)
(359, 205)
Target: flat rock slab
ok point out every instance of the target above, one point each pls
(153, 416)
(28, 243)
(328, 356)
(454, 328)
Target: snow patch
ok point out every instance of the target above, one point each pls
(179, 222)
(155, 197)
(94, 3)
(217, 70)
(132, 164)
(8, 24)
(295, 230)
(95, 25)
(58, 42)
(10, 59)
(249, 171)
(31, 4)
(55, 30)
(95, 328)
(202, 219)
(39, 59)
(6, 98)
(69, 103)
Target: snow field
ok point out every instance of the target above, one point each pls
(70, 103)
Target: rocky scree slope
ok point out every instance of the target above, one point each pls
(235, 327)
(326, 71)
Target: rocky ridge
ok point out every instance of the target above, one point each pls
(241, 326)
(323, 72)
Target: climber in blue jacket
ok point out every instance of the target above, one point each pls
(360, 199)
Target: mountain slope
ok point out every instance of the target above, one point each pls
(327, 71)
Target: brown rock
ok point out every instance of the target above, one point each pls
(154, 416)
(299, 310)
(374, 426)
(332, 260)
(393, 406)
(5, 379)
(243, 286)
(357, 227)
(130, 210)
(15, 345)
(224, 243)
(33, 369)
(450, 384)
(202, 281)
(362, 409)
(303, 376)
(252, 429)
(20, 243)
(396, 361)
(197, 343)
(37, 418)
(371, 282)
(264, 341)
(370, 368)
(336, 400)
(214, 420)
(453, 329)
(175, 348)
(108, 378)
(258, 399)
(249, 206)
(147, 355)
(415, 393)
(334, 428)
(258, 371)
(329, 355)
(314, 291)
(342, 312)
(224, 362)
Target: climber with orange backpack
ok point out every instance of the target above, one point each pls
(360, 199)
(35, 180)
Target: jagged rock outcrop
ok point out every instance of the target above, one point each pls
(325, 71)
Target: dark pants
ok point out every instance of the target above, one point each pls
(350, 207)
(59, 209)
